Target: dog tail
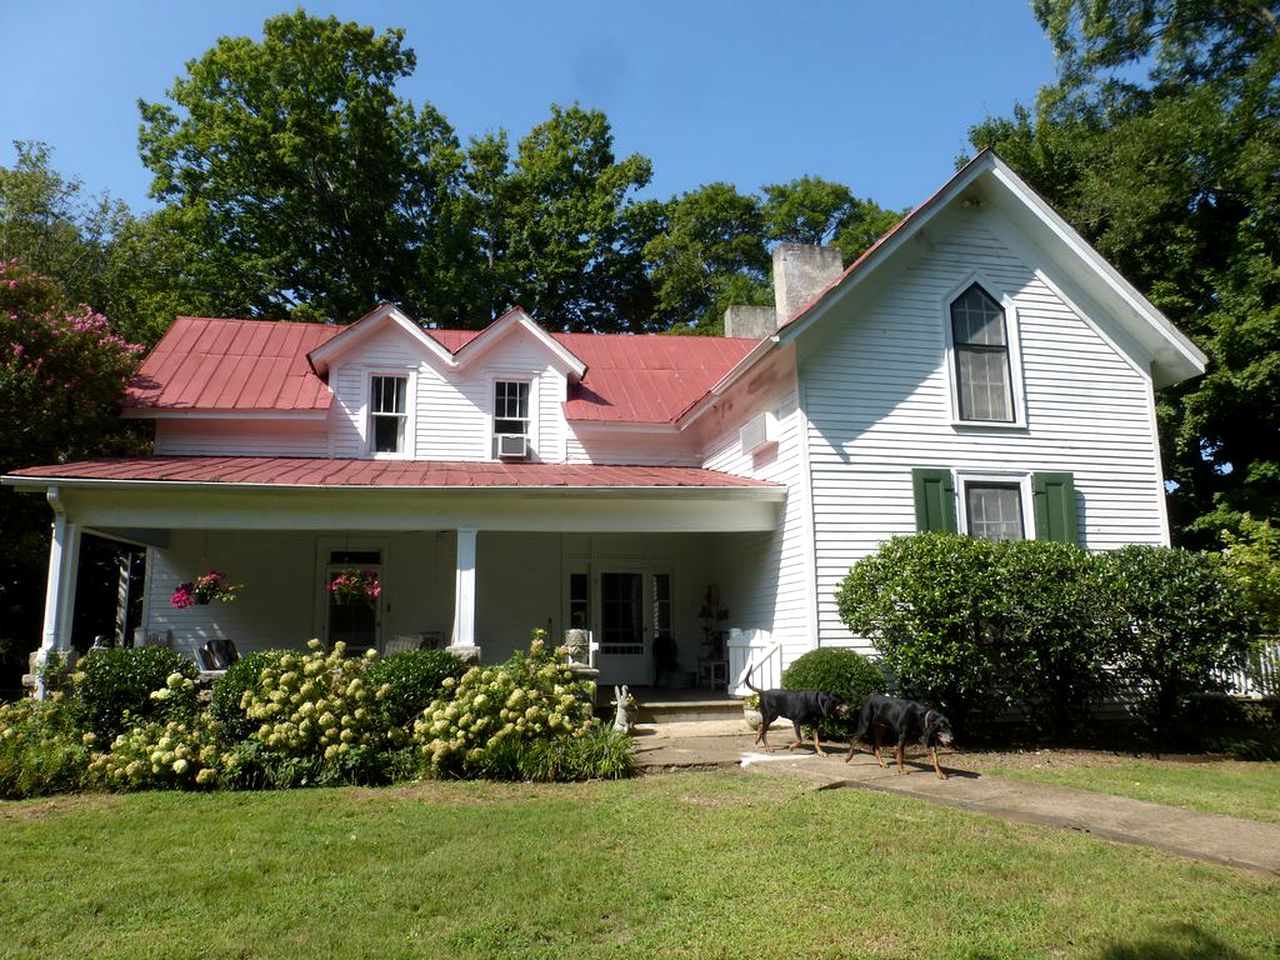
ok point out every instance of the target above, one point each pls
(750, 686)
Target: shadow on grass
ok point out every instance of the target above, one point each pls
(1183, 941)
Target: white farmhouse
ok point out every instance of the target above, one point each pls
(980, 369)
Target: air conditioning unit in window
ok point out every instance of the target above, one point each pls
(513, 446)
(758, 432)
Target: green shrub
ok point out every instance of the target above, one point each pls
(530, 697)
(843, 672)
(1051, 632)
(415, 677)
(928, 602)
(113, 687)
(228, 691)
(600, 754)
(254, 766)
(43, 750)
(1180, 623)
(316, 704)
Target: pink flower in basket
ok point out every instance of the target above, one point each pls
(204, 589)
(356, 586)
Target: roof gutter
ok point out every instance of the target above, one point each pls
(761, 491)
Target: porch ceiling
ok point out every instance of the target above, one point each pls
(286, 493)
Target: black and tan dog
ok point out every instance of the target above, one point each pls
(801, 707)
(889, 720)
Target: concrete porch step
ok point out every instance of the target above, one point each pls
(685, 709)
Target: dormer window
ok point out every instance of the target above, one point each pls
(511, 418)
(388, 414)
(980, 345)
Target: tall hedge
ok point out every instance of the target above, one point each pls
(974, 627)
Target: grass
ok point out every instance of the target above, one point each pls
(1235, 789)
(708, 865)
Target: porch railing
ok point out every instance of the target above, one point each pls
(754, 650)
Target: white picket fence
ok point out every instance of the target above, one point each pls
(754, 649)
(1261, 679)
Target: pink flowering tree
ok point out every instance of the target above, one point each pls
(62, 375)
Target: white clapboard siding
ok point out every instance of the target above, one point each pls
(878, 405)
(282, 600)
(451, 410)
(241, 437)
(592, 445)
(764, 578)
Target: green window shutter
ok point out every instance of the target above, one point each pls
(935, 492)
(1055, 507)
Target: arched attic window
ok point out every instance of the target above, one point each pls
(980, 344)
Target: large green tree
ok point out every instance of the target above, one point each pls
(558, 227)
(304, 181)
(136, 270)
(1160, 141)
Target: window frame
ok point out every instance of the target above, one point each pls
(371, 416)
(1013, 354)
(1022, 481)
(529, 381)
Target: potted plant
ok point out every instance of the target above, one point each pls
(209, 586)
(751, 711)
(356, 586)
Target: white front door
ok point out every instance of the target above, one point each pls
(623, 632)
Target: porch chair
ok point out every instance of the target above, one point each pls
(216, 654)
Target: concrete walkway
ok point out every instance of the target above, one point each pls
(705, 745)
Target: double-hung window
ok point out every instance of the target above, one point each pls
(993, 511)
(980, 345)
(511, 417)
(388, 414)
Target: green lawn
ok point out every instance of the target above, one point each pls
(693, 865)
(1236, 789)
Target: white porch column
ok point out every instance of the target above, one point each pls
(60, 589)
(464, 597)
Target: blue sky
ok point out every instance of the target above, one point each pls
(872, 94)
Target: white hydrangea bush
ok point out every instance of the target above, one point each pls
(530, 696)
(183, 754)
(317, 704)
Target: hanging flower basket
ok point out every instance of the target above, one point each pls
(204, 589)
(356, 586)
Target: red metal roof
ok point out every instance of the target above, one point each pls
(257, 365)
(325, 472)
(220, 364)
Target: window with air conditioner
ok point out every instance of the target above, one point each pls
(511, 419)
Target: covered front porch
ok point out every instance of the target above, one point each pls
(652, 569)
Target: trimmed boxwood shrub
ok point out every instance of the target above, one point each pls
(844, 672)
(113, 687)
(228, 690)
(927, 602)
(416, 678)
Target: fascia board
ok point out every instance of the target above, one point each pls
(325, 355)
(517, 318)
